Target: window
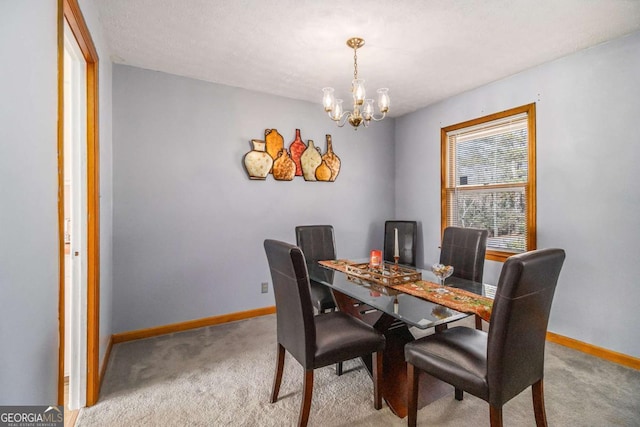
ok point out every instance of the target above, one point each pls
(488, 179)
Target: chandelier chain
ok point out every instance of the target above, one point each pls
(355, 63)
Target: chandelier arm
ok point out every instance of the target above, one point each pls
(342, 120)
(380, 118)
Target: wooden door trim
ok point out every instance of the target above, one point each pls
(70, 10)
(61, 278)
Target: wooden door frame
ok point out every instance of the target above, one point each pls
(69, 10)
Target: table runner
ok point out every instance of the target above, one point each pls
(457, 299)
(337, 264)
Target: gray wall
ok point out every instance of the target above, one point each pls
(28, 191)
(188, 222)
(28, 213)
(90, 13)
(587, 169)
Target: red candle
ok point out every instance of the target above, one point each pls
(375, 259)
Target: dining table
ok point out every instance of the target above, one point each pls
(406, 304)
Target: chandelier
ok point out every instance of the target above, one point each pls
(362, 112)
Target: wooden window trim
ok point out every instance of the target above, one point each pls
(530, 109)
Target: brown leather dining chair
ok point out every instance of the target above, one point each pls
(314, 341)
(464, 249)
(499, 364)
(317, 243)
(407, 238)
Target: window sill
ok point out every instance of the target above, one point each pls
(499, 255)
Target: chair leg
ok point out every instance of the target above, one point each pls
(459, 394)
(538, 404)
(495, 416)
(478, 322)
(277, 379)
(412, 395)
(307, 392)
(376, 364)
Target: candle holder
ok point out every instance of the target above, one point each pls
(395, 260)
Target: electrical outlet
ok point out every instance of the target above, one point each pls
(265, 287)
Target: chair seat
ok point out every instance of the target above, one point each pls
(340, 337)
(457, 356)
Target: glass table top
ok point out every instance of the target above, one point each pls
(412, 310)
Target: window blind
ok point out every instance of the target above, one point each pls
(487, 180)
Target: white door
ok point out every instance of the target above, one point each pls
(75, 140)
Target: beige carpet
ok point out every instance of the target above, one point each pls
(221, 376)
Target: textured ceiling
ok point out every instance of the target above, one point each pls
(423, 51)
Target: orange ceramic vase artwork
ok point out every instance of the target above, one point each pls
(274, 141)
(284, 169)
(296, 148)
(323, 172)
(306, 160)
(331, 160)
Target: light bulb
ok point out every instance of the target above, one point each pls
(337, 110)
(367, 112)
(328, 100)
(358, 91)
(383, 100)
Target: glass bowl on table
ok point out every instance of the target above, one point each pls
(441, 272)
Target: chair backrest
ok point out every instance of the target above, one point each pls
(518, 326)
(464, 249)
(316, 242)
(295, 325)
(407, 238)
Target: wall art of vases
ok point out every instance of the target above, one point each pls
(331, 160)
(258, 162)
(284, 168)
(274, 141)
(310, 160)
(296, 148)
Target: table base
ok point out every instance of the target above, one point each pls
(394, 368)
